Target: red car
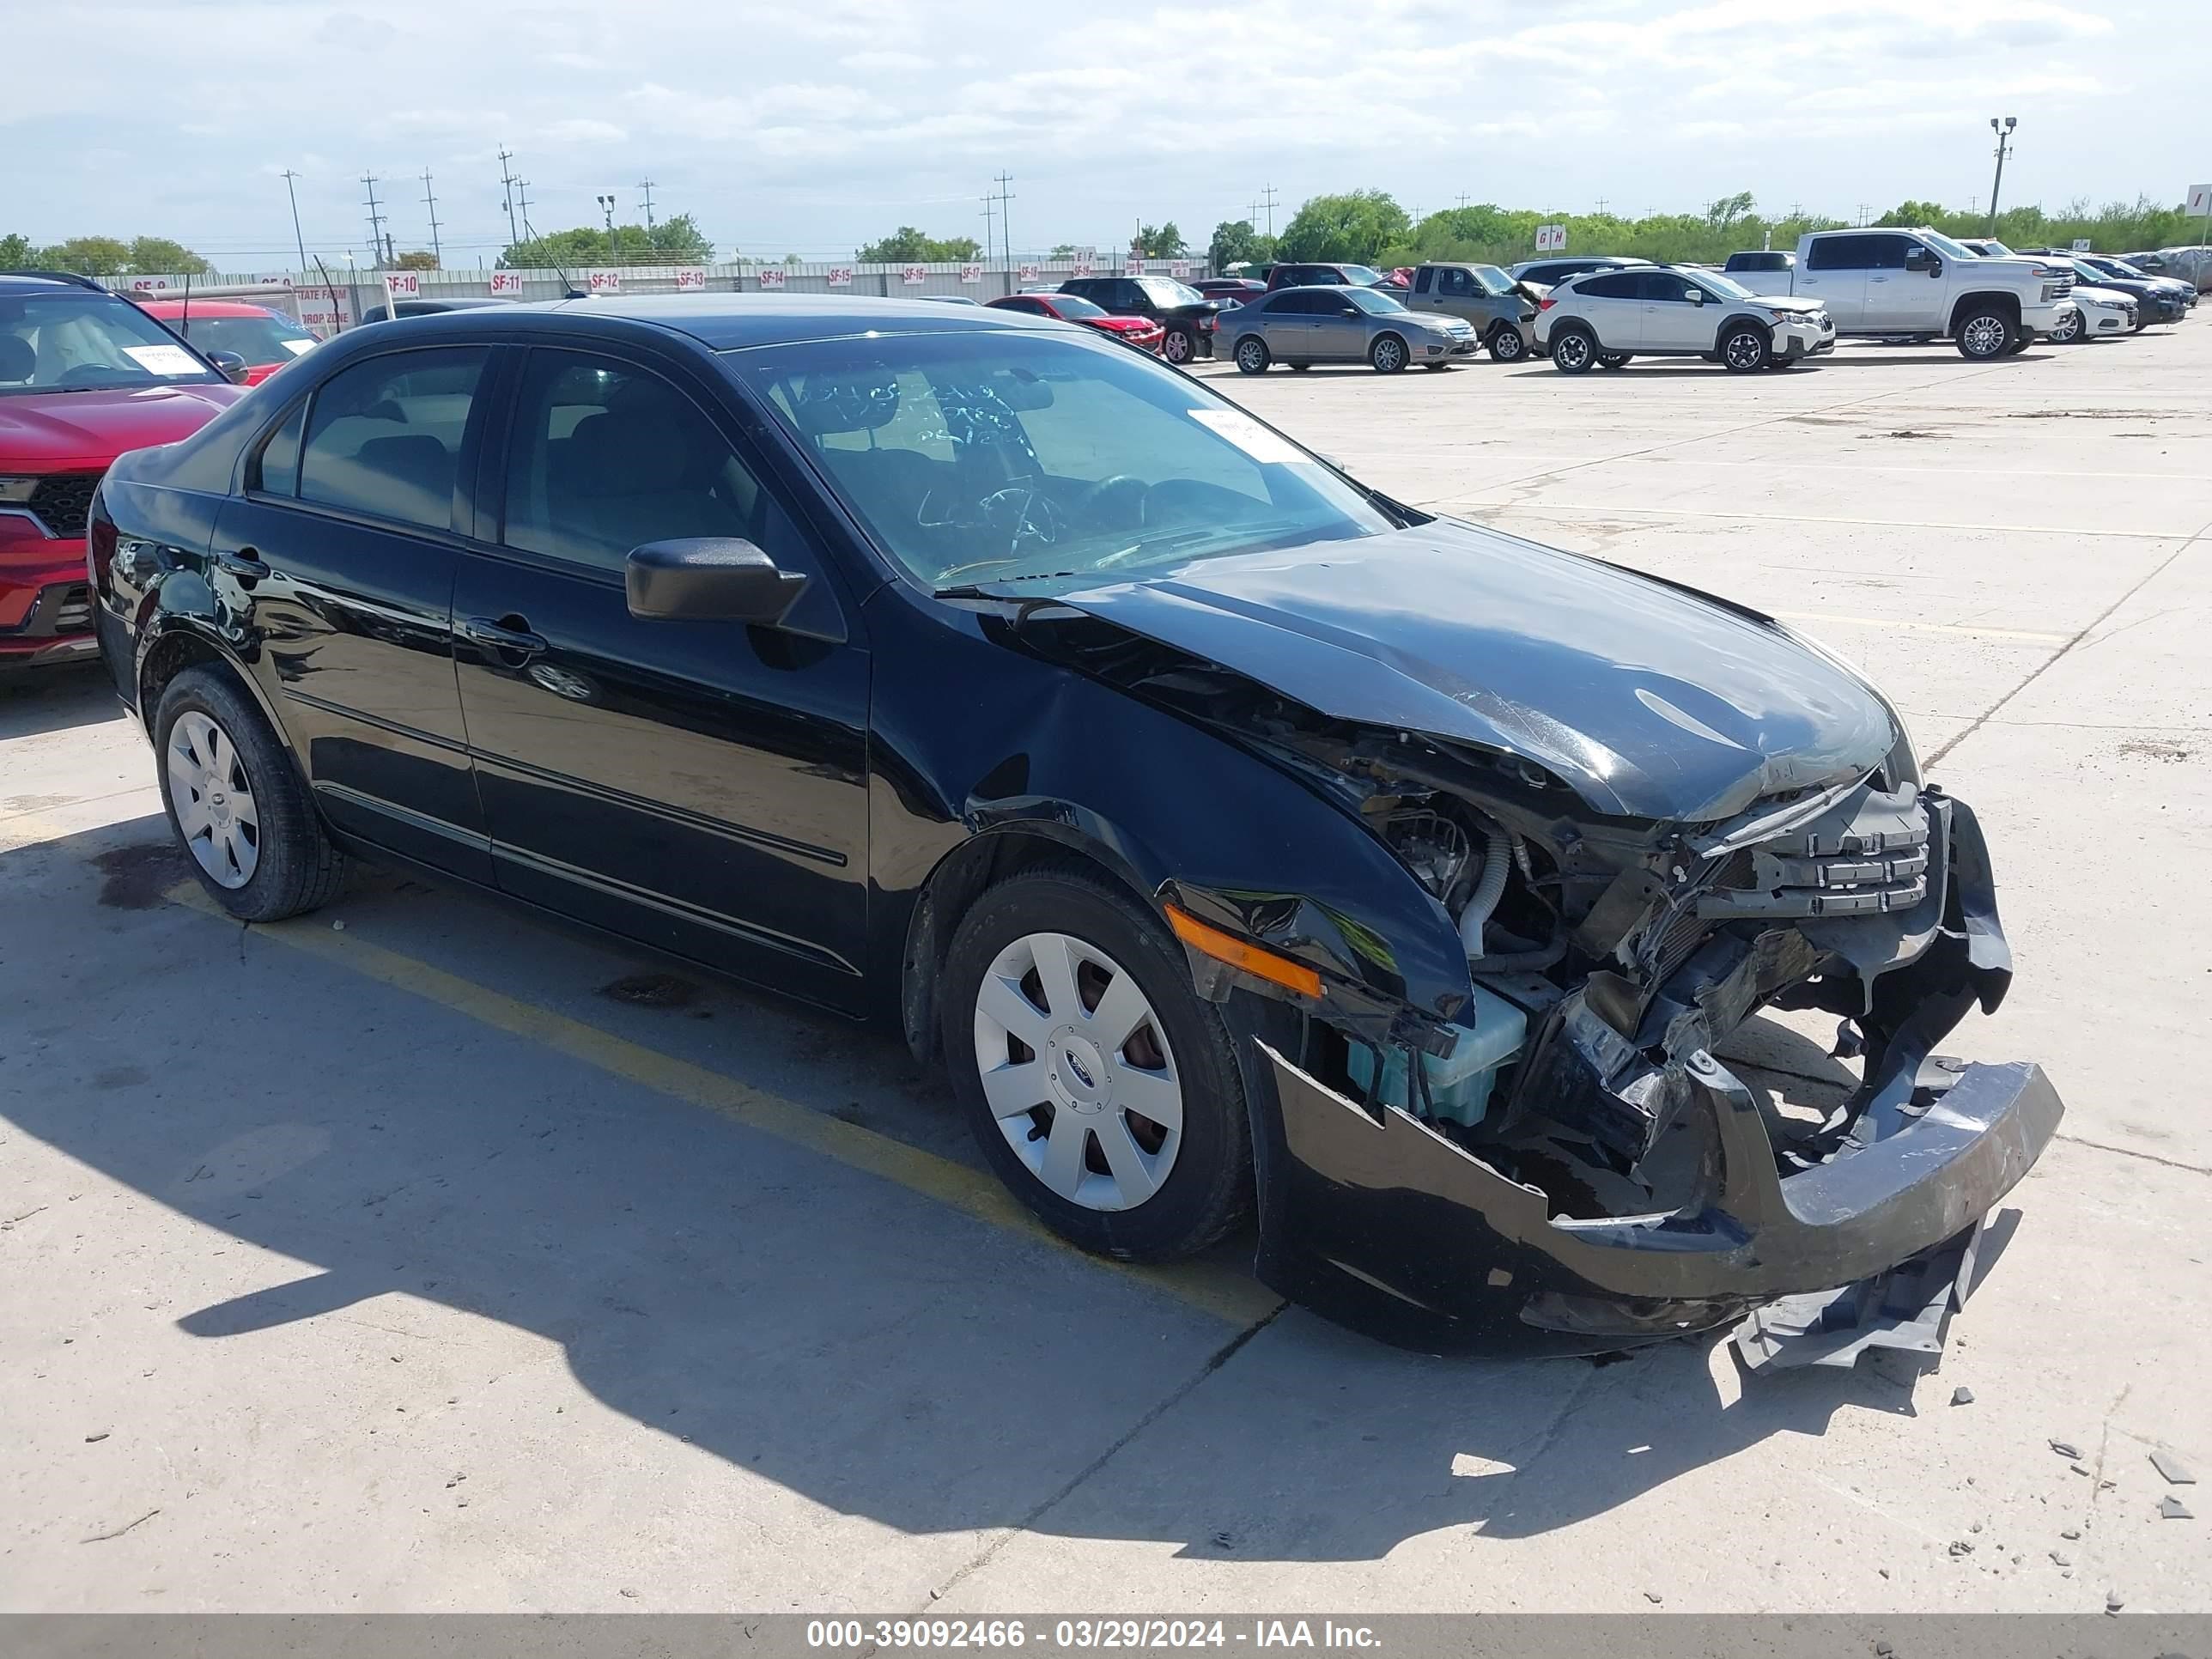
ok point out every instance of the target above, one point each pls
(266, 339)
(1141, 333)
(84, 375)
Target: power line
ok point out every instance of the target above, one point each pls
(430, 200)
(376, 250)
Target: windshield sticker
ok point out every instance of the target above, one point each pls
(1249, 435)
(299, 347)
(164, 359)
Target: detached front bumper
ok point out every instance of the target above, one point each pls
(1375, 1219)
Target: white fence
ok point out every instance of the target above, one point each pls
(326, 298)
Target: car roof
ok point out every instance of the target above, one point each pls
(167, 308)
(724, 322)
(39, 281)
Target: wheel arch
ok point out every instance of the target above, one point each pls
(175, 641)
(1730, 323)
(2008, 303)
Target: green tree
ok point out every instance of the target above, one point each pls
(908, 247)
(1234, 240)
(1161, 241)
(1730, 209)
(1063, 250)
(15, 251)
(90, 256)
(157, 256)
(1357, 226)
(673, 241)
(419, 258)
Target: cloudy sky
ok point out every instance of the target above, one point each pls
(807, 127)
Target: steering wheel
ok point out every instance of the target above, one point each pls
(1025, 514)
(1118, 503)
(89, 374)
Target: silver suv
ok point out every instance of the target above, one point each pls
(1608, 317)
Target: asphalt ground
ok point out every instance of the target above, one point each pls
(398, 1258)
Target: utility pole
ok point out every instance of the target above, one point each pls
(437, 250)
(1252, 216)
(2004, 148)
(1601, 204)
(1462, 199)
(507, 183)
(990, 211)
(522, 205)
(1863, 214)
(1268, 191)
(297, 238)
(376, 251)
(1005, 218)
(646, 184)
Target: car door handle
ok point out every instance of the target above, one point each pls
(517, 640)
(245, 564)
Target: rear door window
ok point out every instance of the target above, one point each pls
(384, 436)
(1616, 285)
(1840, 253)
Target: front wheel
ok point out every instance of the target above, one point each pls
(1983, 335)
(1252, 354)
(236, 803)
(1101, 1088)
(1573, 350)
(1506, 344)
(1388, 355)
(1180, 346)
(1743, 350)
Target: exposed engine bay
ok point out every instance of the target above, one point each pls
(1609, 958)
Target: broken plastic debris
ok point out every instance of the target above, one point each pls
(2112, 1603)
(2171, 1508)
(2065, 1449)
(1962, 1396)
(2176, 1472)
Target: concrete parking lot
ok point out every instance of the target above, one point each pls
(417, 1255)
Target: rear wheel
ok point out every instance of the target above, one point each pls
(1985, 333)
(1180, 346)
(1573, 349)
(1743, 350)
(1102, 1090)
(1388, 355)
(1252, 355)
(1506, 344)
(236, 802)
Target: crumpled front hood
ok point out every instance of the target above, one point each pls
(1651, 701)
(43, 430)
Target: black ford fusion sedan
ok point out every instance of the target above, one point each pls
(1237, 835)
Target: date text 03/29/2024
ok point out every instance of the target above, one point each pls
(857, 1635)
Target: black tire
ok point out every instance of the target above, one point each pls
(1984, 334)
(297, 869)
(1745, 349)
(1210, 1183)
(1389, 354)
(1574, 349)
(1506, 344)
(1180, 346)
(1253, 355)
(1297, 368)
(2020, 344)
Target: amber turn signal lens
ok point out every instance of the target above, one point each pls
(1250, 958)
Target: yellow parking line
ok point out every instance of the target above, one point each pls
(1218, 1289)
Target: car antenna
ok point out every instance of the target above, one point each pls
(568, 290)
(330, 293)
(184, 317)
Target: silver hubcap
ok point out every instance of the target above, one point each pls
(1178, 348)
(1250, 355)
(1387, 354)
(1508, 346)
(213, 799)
(1574, 351)
(1742, 350)
(1077, 1072)
(2066, 330)
(1984, 335)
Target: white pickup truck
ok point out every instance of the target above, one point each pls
(1920, 282)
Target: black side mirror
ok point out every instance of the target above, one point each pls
(229, 364)
(708, 579)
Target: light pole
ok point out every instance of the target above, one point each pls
(2004, 131)
(607, 207)
(298, 240)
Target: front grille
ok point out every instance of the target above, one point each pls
(62, 502)
(72, 608)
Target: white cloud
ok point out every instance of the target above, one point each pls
(815, 127)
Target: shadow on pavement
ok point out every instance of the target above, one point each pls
(848, 1339)
(56, 700)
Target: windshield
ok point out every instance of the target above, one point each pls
(2119, 268)
(1491, 280)
(1368, 300)
(1993, 249)
(1166, 291)
(264, 339)
(1074, 308)
(1014, 457)
(75, 339)
(1944, 246)
(1727, 286)
(1361, 276)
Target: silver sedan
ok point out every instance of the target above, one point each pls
(1303, 325)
